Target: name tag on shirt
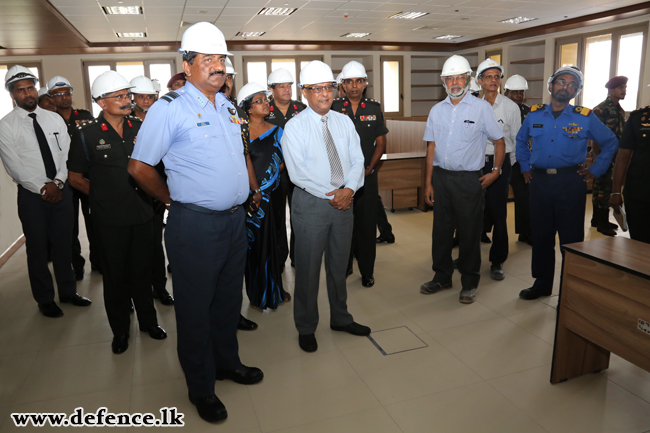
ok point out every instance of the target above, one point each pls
(368, 118)
(538, 125)
(203, 124)
(103, 146)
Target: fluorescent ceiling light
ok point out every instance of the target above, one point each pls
(355, 35)
(131, 35)
(517, 20)
(408, 15)
(249, 34)
(122, 10)
(448, 37)
(277, 11)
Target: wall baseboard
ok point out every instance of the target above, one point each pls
(11, 250)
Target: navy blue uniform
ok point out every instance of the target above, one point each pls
(557, 191)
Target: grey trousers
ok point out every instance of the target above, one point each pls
(319, 229)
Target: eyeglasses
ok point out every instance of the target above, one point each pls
(319, 89)
(261, 101)
(460, 78)
(61, 95)
(358, 81)
(564, 83)
(124, 97)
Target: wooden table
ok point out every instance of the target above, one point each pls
(604, 307)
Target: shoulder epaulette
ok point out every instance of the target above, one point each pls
(337, 99)
(136, 118)
(582, 110)
(169, 97)
(537, 107)
(81, 110)
(372, 100)
(86, 123)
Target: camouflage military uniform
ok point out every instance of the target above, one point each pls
(613, 116)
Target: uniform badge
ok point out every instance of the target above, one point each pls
(104, 127)
(271, 114)
(343, 109)
(295, 107)
(231, 110)
(271, 108)
(78, 122)
(646, 125)
(643, 119)
(129, 123)
(199, 116)
(346, 103)
(102, 141)
(76, 113)
(368, 118)
(572, 129)
(363, 105)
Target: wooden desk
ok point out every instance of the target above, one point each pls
(604, 307)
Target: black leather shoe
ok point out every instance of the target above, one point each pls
(50, 310)
(77, 300)
(120, 344)
(534, 293)
(526, 238)
(485, 239)
(243, 375)
(155, 332)
(431, 287)
(245, 324)
(308, 342)
(164, 296)
(353, 328)
(496, 272)
(388, 239)
(79, 274)
(210, 408)
(367, 281)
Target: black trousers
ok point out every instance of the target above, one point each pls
(47, 227)
(638, 219)
(385, 229)
(557, 205)
(158, 269)
(283, 193)
(126, 254)
(458, 204)
(78, 261)
(522, 205)
(364, 235)
(496, 209)
(207, 251)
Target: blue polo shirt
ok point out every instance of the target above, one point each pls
(562, 142)
(201, 147)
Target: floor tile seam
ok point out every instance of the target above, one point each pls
(527, 331)
(20, 387)
(458, 326)
(257, 417)
(328, 419)
(629, 391)
(365, 384)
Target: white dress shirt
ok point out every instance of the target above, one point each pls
(509, 119)
(305, 153)
(20, 152)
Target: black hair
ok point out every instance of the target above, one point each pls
(248, 104)
(272, 86)
(189, 57)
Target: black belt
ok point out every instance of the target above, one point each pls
(202, 209)
(490, 158)
(573, 168)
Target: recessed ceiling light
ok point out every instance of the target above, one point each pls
(186, 24)
(131, 35)
(277, 11)
(408, 15)
(426, 28)
(122, 10)
(448, 37)
(249, 34)
(355, 35)
(517, 20)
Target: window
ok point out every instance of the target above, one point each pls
(391, 85)
(601, 56)
(160, 69)
(6, 103)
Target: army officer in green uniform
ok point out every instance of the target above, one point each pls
(369, 122)
(122, 213)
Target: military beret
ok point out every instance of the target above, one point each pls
(179, 76)
(615, 82)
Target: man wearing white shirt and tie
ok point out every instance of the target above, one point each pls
(34, 147)
(323, 155)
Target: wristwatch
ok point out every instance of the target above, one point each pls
(58, 183)
(496, 168)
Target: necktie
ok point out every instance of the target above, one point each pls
(48, 160)
(336, 176)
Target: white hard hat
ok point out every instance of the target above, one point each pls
(42, 92)
(516, 82)
(338, 79)
(142, 86)
(488, 64)
(248, 91)
(573, 70)
(474, 87)
(58, 82)
(353, 69)
(280, 76)
(456, 65)
(156, 84)
(18, 73)
(109, 82)
(316, 72)
(230, 69)
(204, 38)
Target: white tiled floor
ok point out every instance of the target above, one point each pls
(474, 368)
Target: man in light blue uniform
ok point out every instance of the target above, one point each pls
(553, 165)
(456, 134)
(196, 133)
